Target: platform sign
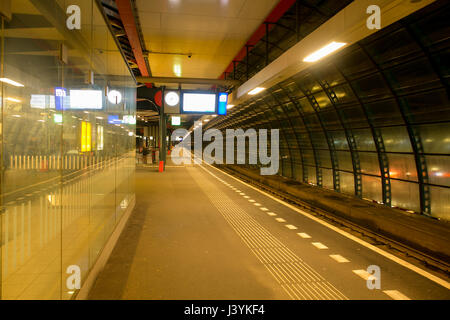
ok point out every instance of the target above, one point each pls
(86, 99)
(60, 96)
(223, 102)
(176, 121)
(114, 119)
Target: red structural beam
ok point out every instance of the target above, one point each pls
(274, 16)
(127, 17)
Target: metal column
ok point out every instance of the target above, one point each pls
(162, 131)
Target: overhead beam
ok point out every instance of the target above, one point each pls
(217, 82)
(126, 15)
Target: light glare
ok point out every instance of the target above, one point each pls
(256, 91)
(11, 82)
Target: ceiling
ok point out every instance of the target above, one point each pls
(213, 31)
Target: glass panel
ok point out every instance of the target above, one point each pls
(439, 170)
(340, 140)
(327, 179)
(402, 166)
(311, 175)
(417, 107)
(345, 160)
(347, 182)
(369, 163)
(372, 188)
(436, 138)
(440, 202)
(396, 139)
(405, 195)
(364, 140)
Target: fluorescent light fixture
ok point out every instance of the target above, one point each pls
(11, 82)
(13, 100)
(16, 115)
(115, 97)
(323, 52)
(256, 91)
(230, 106)
(177, 70)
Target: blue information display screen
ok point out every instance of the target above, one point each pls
(223, 102)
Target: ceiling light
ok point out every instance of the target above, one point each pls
(256, 91)
(230, 106)
(11, 82)
(177, 70)
(328, 49)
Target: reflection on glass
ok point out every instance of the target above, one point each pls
(67, 173)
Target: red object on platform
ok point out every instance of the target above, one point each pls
(158, 98)
(161, 166)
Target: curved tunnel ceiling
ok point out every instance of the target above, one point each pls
(372, 121)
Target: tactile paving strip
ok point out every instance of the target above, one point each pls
(298, 279)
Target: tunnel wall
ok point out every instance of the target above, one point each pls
(372, 121)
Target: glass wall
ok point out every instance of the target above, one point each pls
(67, 144)
(372, 121)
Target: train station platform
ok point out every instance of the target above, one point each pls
(199, 233)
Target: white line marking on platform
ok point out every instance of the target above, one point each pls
(304, 235)
(291, 227)
(319, 245)
(362, 273)
(280, 220)
(385, 254)
(396, 295)
(338, 258)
